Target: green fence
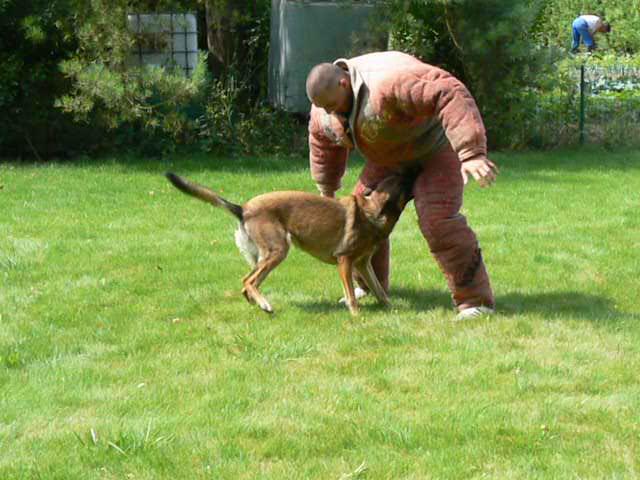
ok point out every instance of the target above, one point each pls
(610, 108)
(594, 105)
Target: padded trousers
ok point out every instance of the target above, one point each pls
(437, 195)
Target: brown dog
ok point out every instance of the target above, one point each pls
(345, 232)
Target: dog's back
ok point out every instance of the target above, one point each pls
(313, 223)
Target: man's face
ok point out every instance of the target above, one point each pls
(336, 100)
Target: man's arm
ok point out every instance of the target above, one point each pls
(433, 92)
(327, 159)
(430, 91)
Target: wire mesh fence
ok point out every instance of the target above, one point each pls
(591, 105)
(611, 106)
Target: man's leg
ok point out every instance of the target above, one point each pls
(576, 39)
(587, 39)
(581, 29)
(438, 193)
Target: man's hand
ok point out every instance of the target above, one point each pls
(480, 168)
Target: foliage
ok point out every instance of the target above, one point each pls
(485, 44)
(70, 54)
(513, 56)
(66, 86)
(238, 34)
(420, 27)
(110, 93)
(163, 108)
(152, 97)
(236, 119)
(34, 38)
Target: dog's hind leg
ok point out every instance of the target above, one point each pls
(273, 247)
(365, 269)
(263, 268)
(246, 245)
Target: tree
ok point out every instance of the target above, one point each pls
(108, 91)
(485, 43)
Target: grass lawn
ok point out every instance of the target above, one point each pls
(127, 350)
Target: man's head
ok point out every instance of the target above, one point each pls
(329, 87)
(605, 27)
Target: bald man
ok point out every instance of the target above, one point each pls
(402, 113)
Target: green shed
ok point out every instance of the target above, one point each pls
(305, 33)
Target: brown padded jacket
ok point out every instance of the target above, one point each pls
(404, 110)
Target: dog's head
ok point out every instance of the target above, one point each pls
(383, 204)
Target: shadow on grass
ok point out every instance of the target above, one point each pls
(569, 160)
(417, 300)
(577, 305)
(524, 161)
(199, 162)
(186, 162)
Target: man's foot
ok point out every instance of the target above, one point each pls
(474, 312)
(358, 292)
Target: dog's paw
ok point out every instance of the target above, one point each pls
(266, 307)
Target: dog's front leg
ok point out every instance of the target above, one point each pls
(365, 269)
(345, 268)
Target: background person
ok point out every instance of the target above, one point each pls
(402, 113)
(584, 28)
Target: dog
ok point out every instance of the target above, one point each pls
(345, 232)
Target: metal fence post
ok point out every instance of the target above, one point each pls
(582, 88)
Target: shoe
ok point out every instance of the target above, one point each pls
(358, 292)
(474, 312)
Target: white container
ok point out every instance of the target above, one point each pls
(168, 40)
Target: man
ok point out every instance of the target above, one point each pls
(402, 113)
(585, 27)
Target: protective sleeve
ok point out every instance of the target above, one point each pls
(427, 92)
(327, 159)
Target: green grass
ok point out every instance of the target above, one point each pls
(127, 350)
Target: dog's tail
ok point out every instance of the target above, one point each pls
(203, 193)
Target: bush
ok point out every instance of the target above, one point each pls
(231, 126)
